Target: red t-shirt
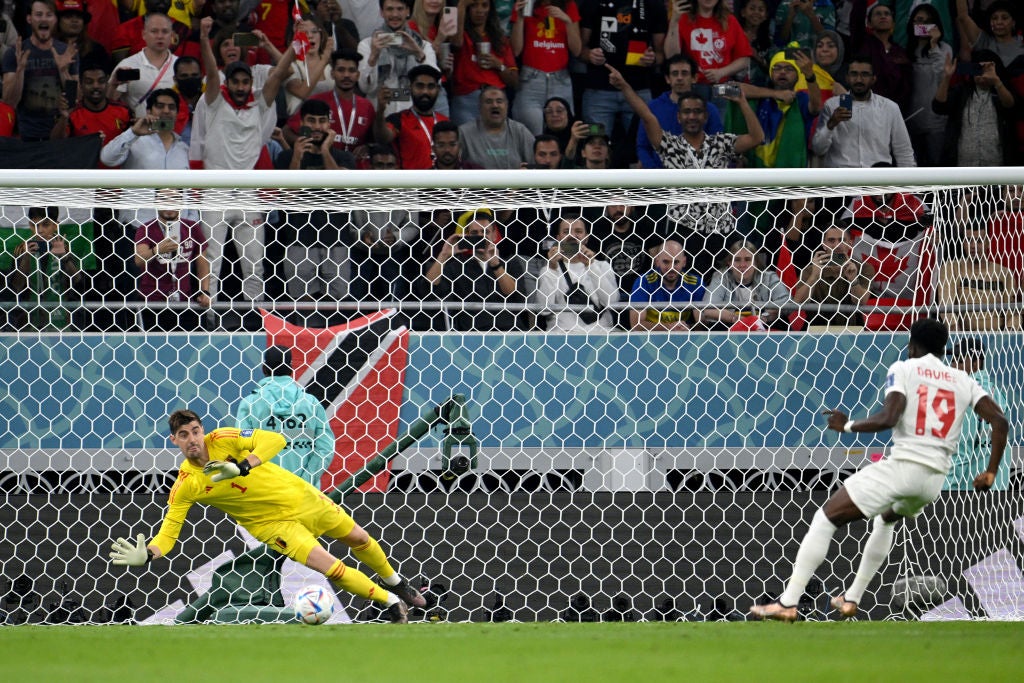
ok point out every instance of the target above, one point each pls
(7, 120)
(414, 137)
(468, 77)
(129, 36)
(546, 40)
(274, 18)
(352, 127)
(711, 47)
(111, 121)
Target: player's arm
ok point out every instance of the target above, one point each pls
(124, 552)
(989, 411)
(257, 445)
(884, 419)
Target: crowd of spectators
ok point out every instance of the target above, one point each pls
(430, 84)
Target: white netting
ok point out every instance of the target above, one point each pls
(625, 457)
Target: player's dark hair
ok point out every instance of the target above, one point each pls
(38, 213)
(931, 335)
(446, 127)
(162, 92)
(277, 361)
(314, 108)
(180, 418)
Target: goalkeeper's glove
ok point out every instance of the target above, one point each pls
(123, 552)
(227, 469)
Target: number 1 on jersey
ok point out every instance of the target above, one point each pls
(943, 407)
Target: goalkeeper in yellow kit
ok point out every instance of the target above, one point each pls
(228, 469)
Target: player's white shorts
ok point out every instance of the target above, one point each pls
(906, 487)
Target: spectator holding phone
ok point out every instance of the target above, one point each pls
(862, 128)
(439, 24)
(484, 57)
(45, 275)
(150, 69)
(982, 97)
(545, 33)
(928, 55)
(892, 69)
(832, 277)
(390, 55)
(468, 269)
(1001, 37)
(710, 34)
(574, 276)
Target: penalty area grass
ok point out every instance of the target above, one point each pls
(529, 652)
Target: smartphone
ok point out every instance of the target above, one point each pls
(596, 129)
(726, 90)
(846, 102)
(245, 40)
(383, 73)
(569, 247)
(453, 11)
(396, 40)
(528, 10)
(790, 52)
(923, 30)
(838, 258)
(71, 92)
(126, 75)
(305, 132)
(163, 125)
(969, 68)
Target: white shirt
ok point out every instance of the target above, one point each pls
(234, 137)
(131, 151)
(134, 93)
(598, 279)
(400, 61)
(875, 133)
(938, 397)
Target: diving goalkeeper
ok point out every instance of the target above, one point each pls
(275, 506)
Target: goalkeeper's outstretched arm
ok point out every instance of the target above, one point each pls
(127, 554)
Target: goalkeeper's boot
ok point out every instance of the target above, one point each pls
(398, 613)
(847, 609)
(404, 590)
(775, 611)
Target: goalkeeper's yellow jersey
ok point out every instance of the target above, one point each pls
(269, 493)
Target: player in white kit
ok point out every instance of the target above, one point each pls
(925, 403)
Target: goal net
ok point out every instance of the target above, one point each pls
(551, 395)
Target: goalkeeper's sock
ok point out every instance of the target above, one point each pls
(812, 553)
(354, 581)
(372, 555)
(875, 551)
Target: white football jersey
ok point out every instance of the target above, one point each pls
(938, 397)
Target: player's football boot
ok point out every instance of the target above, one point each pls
(408, 594)
(398, 613)
(775, 611)
(846, 608)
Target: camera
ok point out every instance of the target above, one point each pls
(395, 39)
(126, 75)
(726, 90)
(471, 242)
(245, 40)
(42, 246)
(165, 125)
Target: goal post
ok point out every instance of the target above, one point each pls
(607, 474)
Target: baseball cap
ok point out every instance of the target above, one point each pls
(231, 68)
(968, 347)
(72, 6)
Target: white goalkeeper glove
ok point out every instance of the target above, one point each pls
(226, 469)
(123, 552)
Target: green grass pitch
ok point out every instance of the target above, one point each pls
(977, 652)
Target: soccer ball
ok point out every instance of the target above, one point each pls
(313, 605)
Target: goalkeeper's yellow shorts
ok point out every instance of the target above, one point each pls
(296, 537)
